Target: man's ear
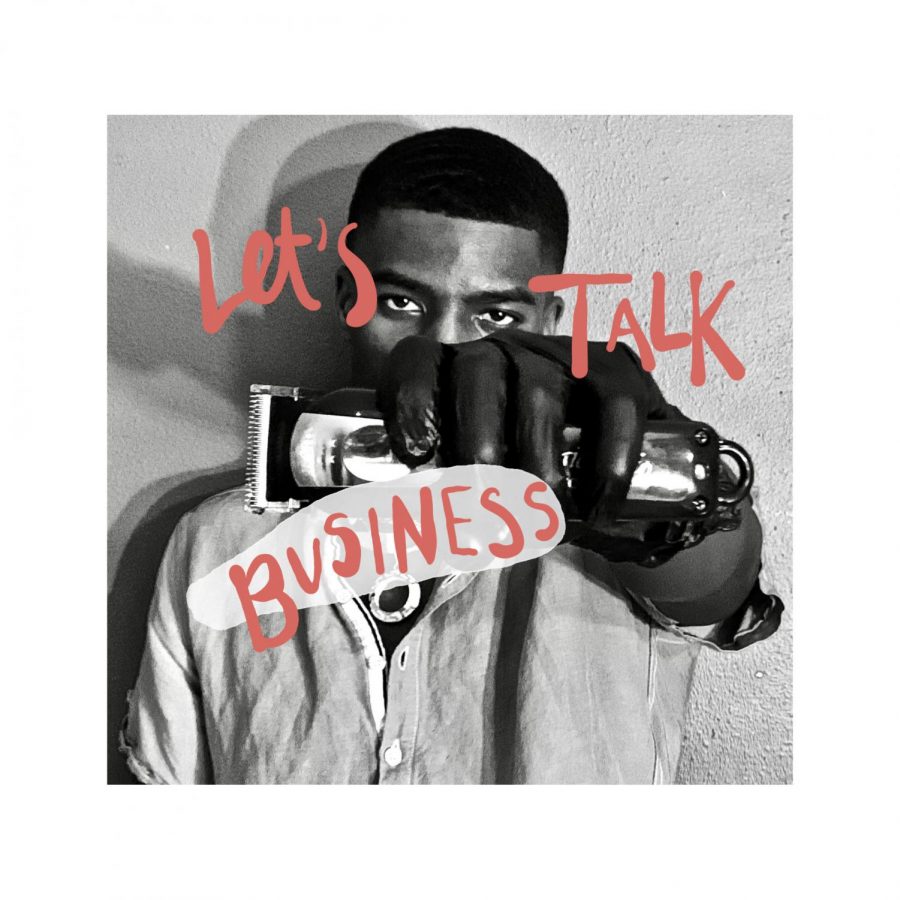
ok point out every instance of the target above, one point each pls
(553, 313)
(345, 292)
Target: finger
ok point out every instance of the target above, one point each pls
(474, 415)
(541, 401)
(611, 442)
(408, 399)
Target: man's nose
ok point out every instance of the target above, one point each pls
(448, 329)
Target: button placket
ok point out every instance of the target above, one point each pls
(401, 725)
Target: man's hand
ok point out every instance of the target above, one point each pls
(505, 399)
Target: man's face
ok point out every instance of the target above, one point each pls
(453, 280)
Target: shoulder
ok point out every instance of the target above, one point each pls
(220, 528)
(226, 504)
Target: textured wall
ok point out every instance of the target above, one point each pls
(670, 194)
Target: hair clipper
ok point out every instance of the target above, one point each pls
(303, 445)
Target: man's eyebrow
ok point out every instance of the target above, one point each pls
(506, 295)
(403, 281)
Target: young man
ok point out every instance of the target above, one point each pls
(571, 668)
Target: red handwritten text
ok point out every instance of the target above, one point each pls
(258, 254)
(625, 323)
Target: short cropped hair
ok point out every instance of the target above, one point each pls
(470, 174)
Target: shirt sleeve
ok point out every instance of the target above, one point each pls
(758, 618)
(163, 736)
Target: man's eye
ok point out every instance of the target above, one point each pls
(398, 304)
(498, 318)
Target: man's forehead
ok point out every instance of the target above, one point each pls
(427, 245)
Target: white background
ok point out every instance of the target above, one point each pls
(66, 66)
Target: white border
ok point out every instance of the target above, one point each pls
(66, 65)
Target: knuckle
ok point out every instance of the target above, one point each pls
(414, 353)
(413, 343)
(487, 453)
(479, 353)
(619, 473)
(477, 450)
(542, 403)
(555, 481)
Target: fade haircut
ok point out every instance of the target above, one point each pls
(469, 174)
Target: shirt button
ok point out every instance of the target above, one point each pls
(393, 755)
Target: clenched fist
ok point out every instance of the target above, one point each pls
(505, 399)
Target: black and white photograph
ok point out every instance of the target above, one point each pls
(648, 644)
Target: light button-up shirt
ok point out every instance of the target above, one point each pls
(543, 672)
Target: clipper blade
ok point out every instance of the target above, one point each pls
(274, 410)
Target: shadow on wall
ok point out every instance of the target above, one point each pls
(154, 329)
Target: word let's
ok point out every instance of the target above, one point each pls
(625, 323)
(258, 255)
